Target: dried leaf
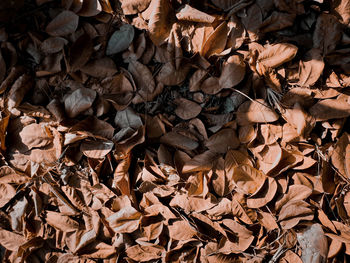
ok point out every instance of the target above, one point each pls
(61, 222)
(11, 240)
(311, 67)
(227, 79)
(275, 55)
(341, 155)
(330, 109)
(79, 101)
(159, 24)
(120, 39)
(96, 149)
(216, 41)
(141, 253)
(90, 8)
(132, 7)
(223, 141)
(189, 13)
(63, 24)
(126, 220)
(35, 135)
(255, 112)
(247, 179)
(187, 109)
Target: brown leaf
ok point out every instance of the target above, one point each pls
(265, 194)
(7, 192)
(100, 68)
(61, 222)
(126, 220)
(294, 211)
(234, 64)
(327, 33)
(90, 8)
(170, 76)
(187, 109)
(341, 155)
(132, 7)
(35, 135)
(120, 39)
(159, 24)
(96, 149)
(189, 13)
(201, 162)
(222, 141)
(277, 21)
(18, 90)
(255, 112)
(142, 253)
(330, 109)
(79, 101)
(295, 192)
(178, 140)
(144, 81)
(53, 44)
(311, 67)
(63, 24)
(181, 230)
(216, 41)
(11, 240)
(247, 179)
(80, 52)
(275, 55)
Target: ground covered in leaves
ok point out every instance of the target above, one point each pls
(175, 131)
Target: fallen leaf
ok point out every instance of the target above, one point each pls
(341, 155)
(247, 179)
(222, 141)
(134, 6)
(145, 253)
(187, 109)
(189, 13)
(90, 8)
(159, 24)
(120, 39)
(126, 220)
(227, 79)
(79, 101)
(61, 222)
(63, 24)
(35, 135)
(311, 67)
(330, 109)
(275, 55)
(255, 112)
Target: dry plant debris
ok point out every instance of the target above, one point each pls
(175, 131)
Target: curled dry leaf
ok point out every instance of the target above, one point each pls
(96, 149)
(61, 222)
(35, 135)
(247, 179)
(100, 68)
(295, 192)
(79, 101)
(216, 41)
(126, 220)
(187, 109)
(90, 8)
(255, 112)
(189, 13)
(132, 7)
(63, 24)
(178, 140)
(11, 240)
(293, 212)
(265, 194)
(159, 23)
(120, 39)
(18, 90)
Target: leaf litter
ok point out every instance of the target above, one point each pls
(174, 131)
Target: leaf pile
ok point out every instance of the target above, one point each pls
(175, 131)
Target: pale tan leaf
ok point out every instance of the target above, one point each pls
(141, 253)
(201, 162)
(7, 192)
(181, 230)
(11, 240)
(255, 112)
(61, 222)
(35, 135)
(189, 13)
(63, 24)
(293, 212)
